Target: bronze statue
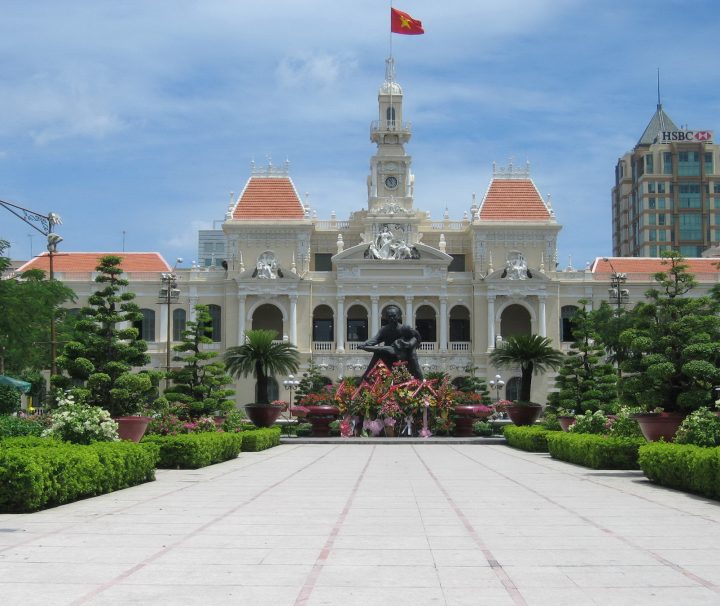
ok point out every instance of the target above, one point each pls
(394, 342)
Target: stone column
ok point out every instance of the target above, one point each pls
(443, 324)
(374, 316)
(491, 322)
(340, 325)
(409, 311)
(293, 319)
(542, 324)
(241, 319)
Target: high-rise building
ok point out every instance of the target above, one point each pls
(667, 192)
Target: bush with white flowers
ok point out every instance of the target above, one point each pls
(80, 423)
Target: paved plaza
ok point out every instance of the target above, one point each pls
(365, 524)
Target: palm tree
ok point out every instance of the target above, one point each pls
(262, 357)
(532, 353)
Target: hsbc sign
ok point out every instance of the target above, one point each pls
(690, 136)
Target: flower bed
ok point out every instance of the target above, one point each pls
(595, 451)
(36, 473)
(682, 466)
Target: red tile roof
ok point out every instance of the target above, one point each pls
(650, 265)
(269, 198)
(87, 262)
(513, 200)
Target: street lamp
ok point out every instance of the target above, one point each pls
(497, 384)
(169, 294)
(291, 384)
(47, 224)
(617, 295)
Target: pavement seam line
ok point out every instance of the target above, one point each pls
(496, 567)
(309, 585)
(158, 554)
(658, 558)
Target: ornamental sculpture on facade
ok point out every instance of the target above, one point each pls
(387, 246)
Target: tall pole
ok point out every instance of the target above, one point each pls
(53, 341)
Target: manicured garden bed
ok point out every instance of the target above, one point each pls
(529, 438)
(595, 451)
(683, 466)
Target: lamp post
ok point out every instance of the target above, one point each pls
(497, 384)
(617, 295)
(291, 384)
(47, 224)
(169, 294)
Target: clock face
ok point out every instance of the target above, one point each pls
(391, 182)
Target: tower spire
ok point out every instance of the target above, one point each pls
(659, 103)
(390, 69)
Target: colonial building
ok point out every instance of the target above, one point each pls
(667, 192)
(465, 283)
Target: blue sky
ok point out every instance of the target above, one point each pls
(141, 117)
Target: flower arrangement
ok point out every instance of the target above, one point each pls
(81, 423)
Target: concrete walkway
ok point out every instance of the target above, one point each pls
(311, 524)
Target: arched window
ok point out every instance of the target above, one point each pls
(146, 326)
(390, 114)
(268, 317)
(512, 388)
(178, 324)
(323, 324)
(566, 315)
(216, 318)
(357, 323)
(426, 324)
(459, 324)
(515, 321)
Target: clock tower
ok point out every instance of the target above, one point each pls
(390, 183)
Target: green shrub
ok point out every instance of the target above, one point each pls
(12, 426)
(195, 450)
(334, 428)
(260, 439)
(624, 426)
(700, 428)
(303, 429)
(594, 451)
(530, 438)
(482, 428)
(550, 420)
(682, 466)
(81, 423)
(590, 422)
(40, 472)
(9, 400)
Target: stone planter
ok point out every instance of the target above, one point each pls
(465, 417)
(132, 428)
(263, 415)
(320, 418)
(566, 422)
(524, 414)
(656, 425)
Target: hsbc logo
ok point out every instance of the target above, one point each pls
(692, 136)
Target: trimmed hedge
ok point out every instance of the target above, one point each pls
(595, 451)
(683, 466)
(260, 439)
(527, 437)
(194, 450)
(36, 473)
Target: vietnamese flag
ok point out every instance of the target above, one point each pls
(402, 23)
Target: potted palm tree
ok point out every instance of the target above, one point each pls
(262, 357)
(533, 354)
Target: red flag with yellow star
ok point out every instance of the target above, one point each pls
(402, 23)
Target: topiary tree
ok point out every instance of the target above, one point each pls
(99, 360)
(312, 381)
(200, 383)
(673, 344)
(532, 353)
(585, 381)
(262, 357)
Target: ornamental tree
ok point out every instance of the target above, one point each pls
(673, 344)
(106, 347)
(585, 381)
(200, 383)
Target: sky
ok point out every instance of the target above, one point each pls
(134, 120)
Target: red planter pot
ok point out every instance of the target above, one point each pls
(320, 418)
(465, 417)
(263, 415)
(656, 425)
(566, 422)
(524, 414)
(132, 428)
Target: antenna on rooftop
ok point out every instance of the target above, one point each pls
(659, 104)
